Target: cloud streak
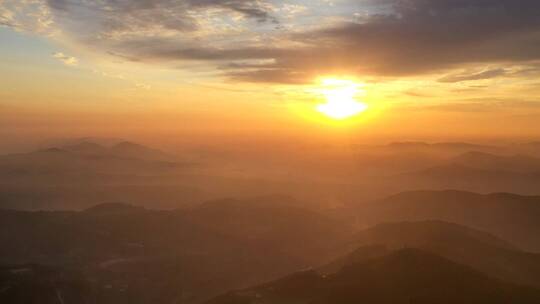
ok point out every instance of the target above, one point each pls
(488, 74)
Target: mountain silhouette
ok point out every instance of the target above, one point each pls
(508, 216)
(404, 276)
(477, 249)
(492, 162)
(152, 255)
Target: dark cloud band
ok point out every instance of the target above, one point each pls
(407, 37)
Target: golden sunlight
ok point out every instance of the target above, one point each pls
(340, 98)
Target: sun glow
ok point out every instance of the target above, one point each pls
(340, 97)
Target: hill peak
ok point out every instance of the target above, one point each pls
(128, 145)
(107, 208)
(53, 150)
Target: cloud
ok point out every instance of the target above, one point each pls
(488, 74)
(143, 86)
(387, 38)
(422, 36)
(415, 37)
(27, 15)
(481, 105)
(149, 18)
(105, 22)
(67, 60)
(251, 9)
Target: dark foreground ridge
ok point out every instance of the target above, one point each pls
(405, 276)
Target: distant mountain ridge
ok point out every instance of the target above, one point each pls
(84, 173)
(122, 149)
(113, 208)
(477, 172)
(88, 159)
(508, 216)
(447, 145)
(492, 162)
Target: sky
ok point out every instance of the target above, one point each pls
(424, 69)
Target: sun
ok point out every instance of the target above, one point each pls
(340, 97)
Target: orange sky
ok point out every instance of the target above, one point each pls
(218, 68)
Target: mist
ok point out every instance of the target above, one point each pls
(269, 152)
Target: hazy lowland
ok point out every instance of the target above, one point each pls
(113, 221)
(269, 151)
(79, 173)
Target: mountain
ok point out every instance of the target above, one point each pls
(119, 253)
(440, 145)
(475, 171)
(529, 148)
(119, 148)
(78, 193)
(474, 178)
(82, 160)
(164, 256)
(477, 249)
(25, 284)
(134, 150)
(82, 174)
(113, 208)
(405, 157)
(508, 216)
(272, 221)
(64, 142)
(429, 233)
(404, 276)
(86, 148)
(463, 146)
(492, 162)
